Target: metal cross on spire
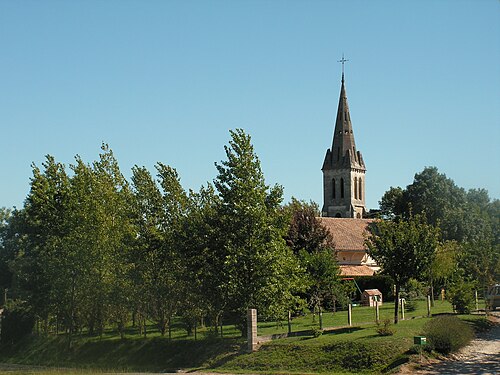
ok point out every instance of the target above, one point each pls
(343, 61)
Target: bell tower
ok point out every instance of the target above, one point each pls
(343, 168)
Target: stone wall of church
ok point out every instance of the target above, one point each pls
(343, 193)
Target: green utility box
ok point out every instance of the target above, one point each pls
(419, 340)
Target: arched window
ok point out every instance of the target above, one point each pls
(338, 215)
(341, 188)
(333, 188)
(355, 188)
(360, 189)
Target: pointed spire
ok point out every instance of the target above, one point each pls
(343, 152)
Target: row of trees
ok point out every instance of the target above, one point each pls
(89, 248)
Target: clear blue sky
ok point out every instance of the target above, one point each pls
(166, 80)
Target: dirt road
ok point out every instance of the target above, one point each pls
(482, 356)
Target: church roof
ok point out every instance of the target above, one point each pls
(348, 234)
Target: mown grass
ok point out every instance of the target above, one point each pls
(360, 315)
(356, 349)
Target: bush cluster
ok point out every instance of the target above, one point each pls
(447, 334)
(461, 296)
(17, 321)
(385, 329)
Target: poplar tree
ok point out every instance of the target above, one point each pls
(258, 269)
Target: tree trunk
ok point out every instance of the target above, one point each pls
(432, 293)
(221, 331)
(320, 313)
(170, 328)
(396, 305)
(195, 329)
(289, 321)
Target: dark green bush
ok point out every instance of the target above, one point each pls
(317, 332)
(410, 305)
(461, 296)
(385, 329)
(17, 321)
(447, 334)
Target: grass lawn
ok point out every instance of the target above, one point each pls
(360, 315)
(356, 349)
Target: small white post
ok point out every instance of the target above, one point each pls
(402, 309)
(377, 312)
(477, 302)
(349, 315)
(428, 306)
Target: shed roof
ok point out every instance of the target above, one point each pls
(372, 292)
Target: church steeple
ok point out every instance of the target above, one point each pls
(343, 167)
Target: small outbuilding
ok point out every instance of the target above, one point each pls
(369, 297)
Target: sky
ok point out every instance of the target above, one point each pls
(165, 81)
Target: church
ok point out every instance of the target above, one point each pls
(344, 210)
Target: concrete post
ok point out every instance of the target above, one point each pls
(428, 306)
(377, 312)
(402, 309)
(252, 329)
(349, 315)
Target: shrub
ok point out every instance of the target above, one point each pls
(410, 305)
(385, 330)
(17, 321)
(317, 332)
(461, 296)
(447, 334)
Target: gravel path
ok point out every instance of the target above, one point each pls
(481, 357)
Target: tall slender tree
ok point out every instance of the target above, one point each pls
(251, 229)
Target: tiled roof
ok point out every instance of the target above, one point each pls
(348, 234)
(356, 271)
(372, 292)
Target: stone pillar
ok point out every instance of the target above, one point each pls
(252, 330)
(349, 315)
(377, 312)
(428, 306)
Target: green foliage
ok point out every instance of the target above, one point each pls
(17, 321)
(313, 245)
(404, 249)
(385, 329)
(470, 218)
(461, 296)
(317, 332)
(447, 334)
(258, 269)
(299, 357)
(7, 253)
(413, 290)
